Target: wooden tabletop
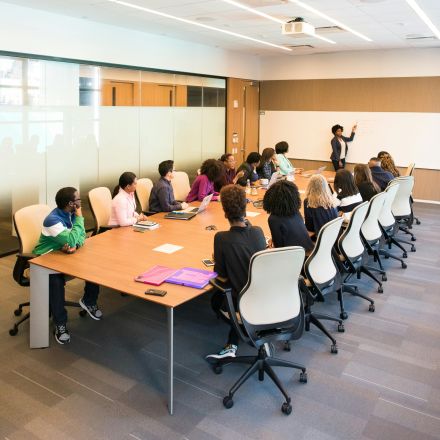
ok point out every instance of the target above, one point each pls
(114, 258)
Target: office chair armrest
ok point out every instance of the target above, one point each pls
(223, 287)
(107, 228)
(305, 289)
(21, 264)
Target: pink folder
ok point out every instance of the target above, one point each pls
(156, 275)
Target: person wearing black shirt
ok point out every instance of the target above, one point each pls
(283, 202)
(233, 251)
(365, 183)
(318, 205)
(162, 194)
(249, 169)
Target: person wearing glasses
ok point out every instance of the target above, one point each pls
(63, 230)
(123, 211)
(162, 195)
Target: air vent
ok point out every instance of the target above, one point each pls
(300, 48)
(329, 30)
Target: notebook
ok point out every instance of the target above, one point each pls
(156, 275)
(189, 213)
(188, 276)
(146, 224)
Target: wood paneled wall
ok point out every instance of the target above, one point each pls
(417, 94)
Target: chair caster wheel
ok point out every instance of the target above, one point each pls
(82, 313)
(404, 266)
(343, 315)
(228, 403)
(286, 408)
(303, 377)
(371, 308)
(218, 369)
(384, 278)
(341, 328)
(417, 222)
(380, 289)
(287, 346)
(404, 255)
(386, 257)
(413, 238)
(13, 331)
(413, 248)
(334, 349)
(18, 312)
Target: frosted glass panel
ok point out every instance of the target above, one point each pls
(118, 143)
(213, 132)
(187, 139)
(66, 124)
(156, 139)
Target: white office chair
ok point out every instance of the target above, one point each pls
(389, 225)
(100, 202)
(353, 255)
(181, 186)
(401, 207)
(371, 234)
(143, 190)
(323, 277)
(270, 309)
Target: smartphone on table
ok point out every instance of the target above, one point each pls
(155, 292)
(208, 262)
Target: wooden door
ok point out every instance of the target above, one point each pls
(251, 118)
(117, 93)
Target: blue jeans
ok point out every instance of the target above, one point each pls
(57, 297)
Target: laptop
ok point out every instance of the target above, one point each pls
(189, 213)
(274, 178)
(312, 172)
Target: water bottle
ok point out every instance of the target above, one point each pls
(248, 186)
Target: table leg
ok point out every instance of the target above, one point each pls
(170, 319)
(39, 308)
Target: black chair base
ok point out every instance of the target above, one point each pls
(314, 318)
(14, 330)
(263, 364)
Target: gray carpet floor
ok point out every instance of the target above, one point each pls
(110, 381)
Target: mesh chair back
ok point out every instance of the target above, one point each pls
(28, 223)
(320, 267)
(350, 242)
(401, 206)
(370, 229)
(180, 184)
(386, 217)
(100, 200)
(143, 190)
(410, 169)
(271, 294)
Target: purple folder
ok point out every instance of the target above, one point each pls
(188, 276)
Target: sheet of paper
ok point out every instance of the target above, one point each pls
(252, 213)
(168, 248)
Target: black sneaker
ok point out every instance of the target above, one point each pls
(62, 334)
(93, 311)
(229, 351)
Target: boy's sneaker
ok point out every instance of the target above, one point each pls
(93, 311)
(62, 334)
(229, 351)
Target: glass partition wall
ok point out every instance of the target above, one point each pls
(67, 124)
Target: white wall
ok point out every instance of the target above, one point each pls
(37, 32)
(362, 64)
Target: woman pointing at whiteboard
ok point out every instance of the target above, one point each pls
(339, 146)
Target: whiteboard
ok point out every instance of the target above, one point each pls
(408, 137)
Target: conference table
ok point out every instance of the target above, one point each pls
(114, 258)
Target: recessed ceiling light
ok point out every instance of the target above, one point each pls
(270, 17)
(195, 23)
(419, 11)
(332, 20)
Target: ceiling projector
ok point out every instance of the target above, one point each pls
(298, 27)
